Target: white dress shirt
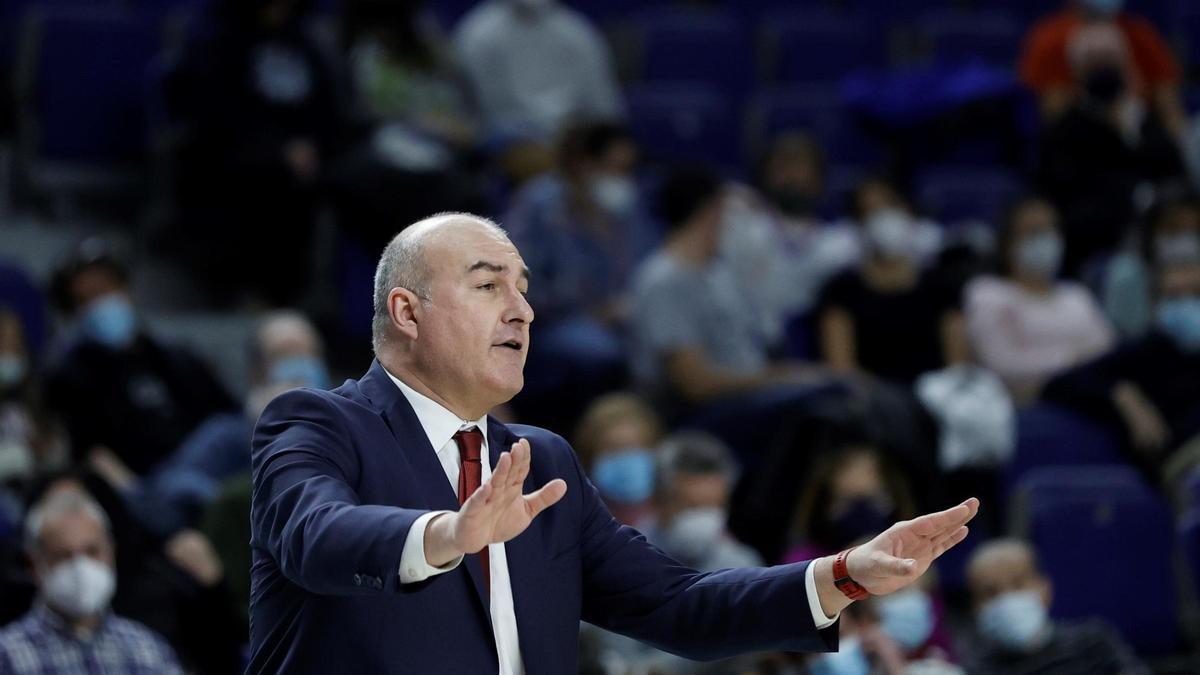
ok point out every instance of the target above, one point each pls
(440, 425)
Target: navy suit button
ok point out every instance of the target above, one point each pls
(378, 582)
(358, 580)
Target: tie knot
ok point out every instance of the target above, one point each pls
(469, 443)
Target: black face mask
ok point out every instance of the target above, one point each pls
(1104, 84)
(793, 202)
(864, 518)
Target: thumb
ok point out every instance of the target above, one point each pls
(546, 497)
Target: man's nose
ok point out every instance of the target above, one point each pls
(520, 309)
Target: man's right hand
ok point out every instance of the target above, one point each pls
(497, 512)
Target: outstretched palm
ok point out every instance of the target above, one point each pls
(499, 511)
(905, 550)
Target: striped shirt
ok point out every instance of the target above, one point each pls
(41, 643)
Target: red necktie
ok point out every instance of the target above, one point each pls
(470, 477)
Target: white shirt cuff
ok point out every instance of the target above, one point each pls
(814, 602)
(413, 565)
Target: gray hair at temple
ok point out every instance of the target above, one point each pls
(402, 265)
(56, 505)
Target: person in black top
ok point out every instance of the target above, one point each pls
(119, 390)
(887, 317)
(1151, 384)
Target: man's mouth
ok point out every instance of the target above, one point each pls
(515, 345)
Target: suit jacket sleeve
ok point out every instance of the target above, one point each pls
(633, 588)
(305, 512)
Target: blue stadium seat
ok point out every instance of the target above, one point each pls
(961, 37)
(821, 46)
(1048, 435)
(951, 194)
(82, 122)
(1098, 530)
(682, 45)
(684, 122)
(1187, 533)
(819, 111)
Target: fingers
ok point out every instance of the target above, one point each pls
(950, 541)
(547, 496)
(937, 524)
(522, 459)
(891, 566)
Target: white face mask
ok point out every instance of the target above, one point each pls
(79, 587)
(693, 532)
(890, 232)
(616, 194)
(1041, 255)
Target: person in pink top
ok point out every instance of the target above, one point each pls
(1026, 324)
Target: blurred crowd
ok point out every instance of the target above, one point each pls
(943, 277)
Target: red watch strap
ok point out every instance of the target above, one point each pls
(841, 578)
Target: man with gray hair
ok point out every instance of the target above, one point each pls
(398, 528)
(70, 630)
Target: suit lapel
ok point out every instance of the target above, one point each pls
(410, 437)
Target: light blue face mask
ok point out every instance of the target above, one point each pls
(110, 321)
(1013, 620)
(907, 616)
(301, 371)
(1180, 319)
(850, 659)
(625, 476)
(12, 370)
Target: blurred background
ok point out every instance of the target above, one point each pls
(800, 269)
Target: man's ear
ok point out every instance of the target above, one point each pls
(403, 308)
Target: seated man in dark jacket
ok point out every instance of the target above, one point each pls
(1152, 384)
(121, 392)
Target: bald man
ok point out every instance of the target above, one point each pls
(397, 528)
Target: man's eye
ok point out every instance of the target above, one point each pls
(486, 287)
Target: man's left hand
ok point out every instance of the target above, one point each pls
(898, 556)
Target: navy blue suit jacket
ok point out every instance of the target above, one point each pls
(339, 478)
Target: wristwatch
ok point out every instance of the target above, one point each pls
(841, 578)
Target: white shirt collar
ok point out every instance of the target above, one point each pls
(439, 424)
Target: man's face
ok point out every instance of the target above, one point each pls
(1003, 572)
(74, 534)
(473, 334)
(694, 491)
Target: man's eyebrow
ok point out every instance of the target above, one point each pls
(495, 267)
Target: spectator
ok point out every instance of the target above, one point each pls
(70, 630)
(697, 340)
(776, 244)
(534, 64)
(174, 586)
(404, 70)
(694, 483)
(422, 138)
(266, 116)
(1171, 236)
(584, 230)
(1011, 597)
(286, 353)
(1102, 159)
(1151, 384)
(28, 438)
(1026, 325)
(120, 391)
(888, 318)
(867, 646)
(849, 494)
(1142, 58)
(615, 441)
